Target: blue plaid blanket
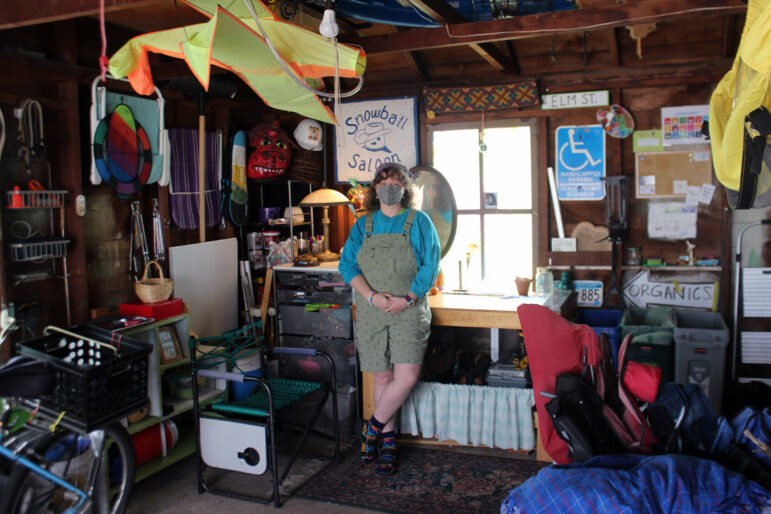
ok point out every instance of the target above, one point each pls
(638, 484)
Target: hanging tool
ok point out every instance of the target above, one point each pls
(615, 205)
(159, 250)
(30, 138)
(139, 254)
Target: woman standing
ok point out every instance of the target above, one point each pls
(391, 260)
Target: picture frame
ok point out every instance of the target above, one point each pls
(170, 348)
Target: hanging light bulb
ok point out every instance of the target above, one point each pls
(328, 27)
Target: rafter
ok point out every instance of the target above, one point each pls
(534, 25)
(443, 12)
(20, 13)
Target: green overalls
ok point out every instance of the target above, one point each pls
(388, 264)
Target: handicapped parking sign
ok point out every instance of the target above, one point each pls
(580, 162)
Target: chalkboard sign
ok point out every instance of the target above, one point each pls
(668, 174)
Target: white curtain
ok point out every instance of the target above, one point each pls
(498, 417)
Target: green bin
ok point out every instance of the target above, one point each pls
(643, 320)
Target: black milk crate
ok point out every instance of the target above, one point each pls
(92, 395)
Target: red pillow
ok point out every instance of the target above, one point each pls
(642, 380)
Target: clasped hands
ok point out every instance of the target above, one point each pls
(388, 303)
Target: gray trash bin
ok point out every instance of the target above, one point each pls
(701, 339)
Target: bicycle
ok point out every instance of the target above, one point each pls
(52, 461)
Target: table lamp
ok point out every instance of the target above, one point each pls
(324, 198)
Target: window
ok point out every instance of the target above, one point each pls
(495, 193)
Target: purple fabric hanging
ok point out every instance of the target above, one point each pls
(183, 191)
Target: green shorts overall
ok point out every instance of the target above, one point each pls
(388, 264)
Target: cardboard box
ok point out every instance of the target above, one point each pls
(155, 310)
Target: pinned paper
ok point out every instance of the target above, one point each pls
(647, 141)
(692, 196)
(707, 191)
(647, 185)
(680, 187)
(671, 220)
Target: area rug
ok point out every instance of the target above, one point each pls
(427, 481)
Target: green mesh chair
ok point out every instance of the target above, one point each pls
(240, 435)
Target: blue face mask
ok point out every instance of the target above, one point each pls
(389, 194)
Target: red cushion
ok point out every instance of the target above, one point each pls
(642, 380)
(554, 345)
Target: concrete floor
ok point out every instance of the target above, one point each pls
(174, 490)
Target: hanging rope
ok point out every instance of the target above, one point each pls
(103, 60)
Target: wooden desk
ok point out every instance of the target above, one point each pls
(468, 310)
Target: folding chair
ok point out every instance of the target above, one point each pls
(241, 435)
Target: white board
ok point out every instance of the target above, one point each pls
(206, 278)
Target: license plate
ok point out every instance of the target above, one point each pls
(589, 292)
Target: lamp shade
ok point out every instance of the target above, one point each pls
(324, 197)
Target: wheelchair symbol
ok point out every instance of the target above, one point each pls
(578, 157)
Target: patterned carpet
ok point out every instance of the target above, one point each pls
(427, 481)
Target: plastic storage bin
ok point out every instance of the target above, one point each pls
(701, 339)
(603, 320)
(303, 367)
(647, 319)
(92, 395)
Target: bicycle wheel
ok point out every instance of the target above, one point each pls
(71, 456)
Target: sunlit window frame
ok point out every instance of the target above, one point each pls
(534, 126)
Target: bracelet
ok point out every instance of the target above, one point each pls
(371, 296)
(410, 300)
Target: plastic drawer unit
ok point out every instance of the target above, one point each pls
(315, 311)
(303, 367)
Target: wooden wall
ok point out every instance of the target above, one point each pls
(60, 75)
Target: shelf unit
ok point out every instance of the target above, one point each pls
(163, 408)
(290, 203)
(34, 230)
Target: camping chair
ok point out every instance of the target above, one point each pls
(241, 435)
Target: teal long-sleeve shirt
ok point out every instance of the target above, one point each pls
(423, 238)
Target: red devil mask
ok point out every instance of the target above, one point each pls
(272, 151)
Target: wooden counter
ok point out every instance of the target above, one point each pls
(480, 311)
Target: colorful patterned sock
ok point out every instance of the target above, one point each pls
(386, 464)
(370, 433)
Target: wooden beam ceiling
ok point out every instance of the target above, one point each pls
(21, 13)
(535, 25)
(443, 12)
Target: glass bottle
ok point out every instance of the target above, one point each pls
(544, 282)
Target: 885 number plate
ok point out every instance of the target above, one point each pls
(589, 292)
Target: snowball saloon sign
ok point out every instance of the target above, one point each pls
(372, 132)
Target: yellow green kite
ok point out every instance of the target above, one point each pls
(231, 39)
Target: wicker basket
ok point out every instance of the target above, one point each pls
(151, 290)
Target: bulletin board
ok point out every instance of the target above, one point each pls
(668, 174)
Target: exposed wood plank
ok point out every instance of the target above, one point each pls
(415, 61)
(70, 159)
(20, 13)
(439, 10)
(495, 57)
(443, 12)
(641, 76)
(534, 25)
(512, 49)
(613, 48)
